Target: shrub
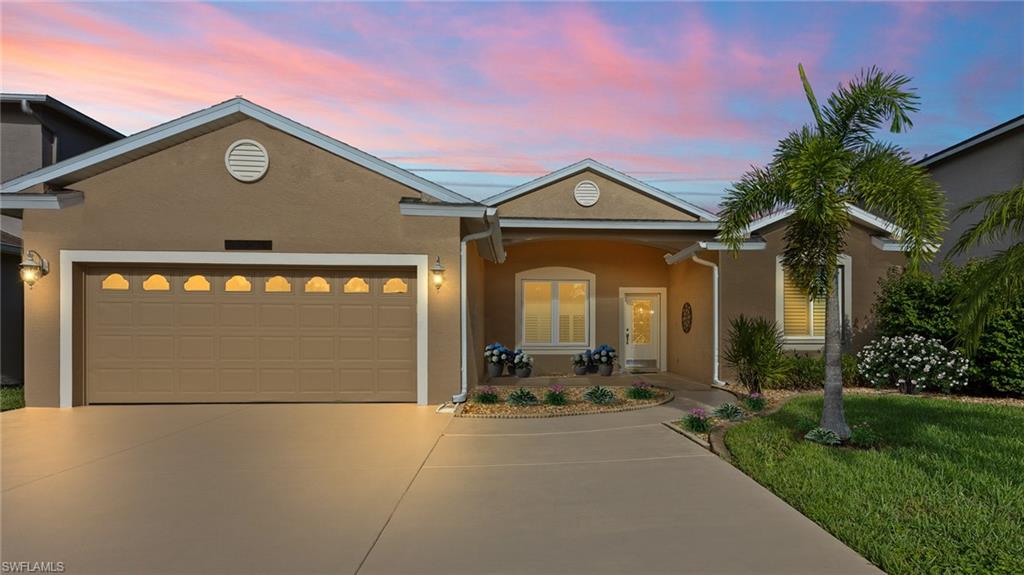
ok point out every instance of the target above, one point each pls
(555, 395)
(599, 395)
(581, 359)
(920, 304)
(755, 402)
(728, 412)
(864, 436)
(805, 372)
(487, 395)
(823, 436)
(808, 372)
(913, 363)
(697, 421)
(640, 390)
(522, 397)
(754, 350)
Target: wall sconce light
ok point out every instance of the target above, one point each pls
(33, 267)
(437, 270)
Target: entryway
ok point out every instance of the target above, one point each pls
(642, 327)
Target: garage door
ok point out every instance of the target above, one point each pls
(244, 335)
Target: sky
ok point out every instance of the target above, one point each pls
(480, 97)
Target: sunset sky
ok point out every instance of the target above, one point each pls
(479, 97)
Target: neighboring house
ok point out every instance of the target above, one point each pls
(989, 162)
(35, 131)
(236, 255)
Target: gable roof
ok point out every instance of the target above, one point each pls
(607, 172)
(63, 109)
(861, 215)
(972, 141)
(189, 126)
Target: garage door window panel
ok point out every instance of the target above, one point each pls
(197, 283)
(115, 282)
(237, 284)
(156, 282)
(277, 284)
(356, 285)
(317, 284)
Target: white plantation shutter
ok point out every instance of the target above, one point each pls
(801, 316)
(572, 312)
(537, 312)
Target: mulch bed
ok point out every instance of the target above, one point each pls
(576, 404)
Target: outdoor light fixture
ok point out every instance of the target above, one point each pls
(438, 272)
(33, 266)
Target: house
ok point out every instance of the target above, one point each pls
(986, 163)
(35, 131)
(236, 255)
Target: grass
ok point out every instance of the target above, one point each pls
(943, 494)
(12, 398)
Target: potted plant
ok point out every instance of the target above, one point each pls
(523, 363)
(581, 363)
(604, 358)
(495, 356)
(510, 363)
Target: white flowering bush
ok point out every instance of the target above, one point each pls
(912, 363)
(603, 354)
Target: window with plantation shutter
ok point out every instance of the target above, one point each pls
(554, 313)
(803, 319)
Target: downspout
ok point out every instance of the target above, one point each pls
(493, 225)
(28, 111)
(715, 315)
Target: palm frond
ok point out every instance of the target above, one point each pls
(862, 105)
(992, 283)
(758, 193)
(1003, 216)
(886, 182)
(811, 99)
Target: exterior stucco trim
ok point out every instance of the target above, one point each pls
(569, 224)
(607, 172)
(68, 258)
(863, 216)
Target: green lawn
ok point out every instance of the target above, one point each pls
(944, 494)
(12, 398)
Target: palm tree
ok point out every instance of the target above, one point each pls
(999, 278)
(820, 171)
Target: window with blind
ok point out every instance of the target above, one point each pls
(555, 312)
(803, 317)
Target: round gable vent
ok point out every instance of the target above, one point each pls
(246, 160)
(586, 193)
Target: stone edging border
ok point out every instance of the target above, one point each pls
(668, 398)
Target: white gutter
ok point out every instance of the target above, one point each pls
(493, 226)
(714, 306)
(685, 253)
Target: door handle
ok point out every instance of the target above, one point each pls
(627, 336)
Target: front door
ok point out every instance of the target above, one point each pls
(641, 315)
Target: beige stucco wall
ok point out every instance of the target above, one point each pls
(690, 354)
(183, 198)
(613, 264)
(616, 202)
(748, 282)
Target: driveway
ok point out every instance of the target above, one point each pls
(386, 489)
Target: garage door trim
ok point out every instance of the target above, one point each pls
(70, 257)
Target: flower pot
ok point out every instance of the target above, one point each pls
(579, 369)
(523, 371)
(604, 369)
(511, 369)
(592, 368)
(494, 369)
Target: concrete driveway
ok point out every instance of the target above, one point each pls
(386, 489)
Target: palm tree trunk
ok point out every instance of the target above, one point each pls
(832, 415)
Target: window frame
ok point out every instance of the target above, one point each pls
(556, 275)
(812, 342)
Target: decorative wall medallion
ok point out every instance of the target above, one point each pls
(687, 317)
(586, 193)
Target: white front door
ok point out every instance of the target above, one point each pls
(641, 324)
